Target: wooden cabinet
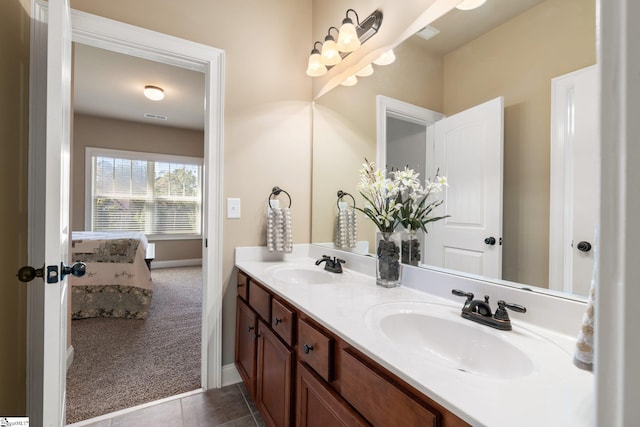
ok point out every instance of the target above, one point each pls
(335, 384)
(274, 378)
(245, 355)
(318, 405)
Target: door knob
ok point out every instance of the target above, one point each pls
(490, 241)
(76, 270)
(28, 273)
(584, 246)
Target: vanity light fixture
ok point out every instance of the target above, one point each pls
(348, 40)
(470, 4)
(316, 67)
(350, 81)
(332, 53)
(154, 93)
(386, 58)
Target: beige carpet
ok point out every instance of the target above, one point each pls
(119, 363)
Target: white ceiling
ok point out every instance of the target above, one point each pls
(110, 84)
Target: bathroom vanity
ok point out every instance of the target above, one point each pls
(320, 348)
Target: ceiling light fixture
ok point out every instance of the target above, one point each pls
(154, 93)
(366, 71)
(350, 81)
(470, 4)
(332, 52)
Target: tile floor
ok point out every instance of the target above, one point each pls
(229, 406)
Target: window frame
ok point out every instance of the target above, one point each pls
(91, 152)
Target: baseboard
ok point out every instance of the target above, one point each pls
(176, 263)
(230, 375)
(70, 354)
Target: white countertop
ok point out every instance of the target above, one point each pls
(555, 394)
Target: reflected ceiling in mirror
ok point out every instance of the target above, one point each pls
(515, 59)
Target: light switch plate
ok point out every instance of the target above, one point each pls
(233, 208)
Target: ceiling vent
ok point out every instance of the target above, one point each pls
(155, 116)
(428, 32)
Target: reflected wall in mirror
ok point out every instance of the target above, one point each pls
(516, 59)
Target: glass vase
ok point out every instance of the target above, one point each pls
(388, 271)
(411, 251)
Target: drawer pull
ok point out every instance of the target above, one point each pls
(307, 348)
(250, 328)
(240, 285)
(277, 321)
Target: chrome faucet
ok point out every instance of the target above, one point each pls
(480, 311)
(333, 265)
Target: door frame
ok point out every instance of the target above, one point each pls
(124, 38)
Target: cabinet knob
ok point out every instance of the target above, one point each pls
(250, 328)
(277, 321)
(307, 348)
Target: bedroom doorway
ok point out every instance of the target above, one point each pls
(100, 32)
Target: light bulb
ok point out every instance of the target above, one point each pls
(348, 40)
(330, 54)
(316, 67)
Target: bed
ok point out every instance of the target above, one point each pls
(118, 279)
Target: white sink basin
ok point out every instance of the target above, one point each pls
(438, 333)
(301, 275)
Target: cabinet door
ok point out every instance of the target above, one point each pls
(246, 334)
(317, 405)
(274, 394)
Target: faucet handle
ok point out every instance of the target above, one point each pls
(338, 260)
(460, 293)
(501, 312)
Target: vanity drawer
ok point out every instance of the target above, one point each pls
(243, 285)
(315, 349)
(260, 300)
(282, 321)
(379, 400)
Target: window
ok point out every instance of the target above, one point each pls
(159, 195)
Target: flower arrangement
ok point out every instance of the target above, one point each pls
(400, 198)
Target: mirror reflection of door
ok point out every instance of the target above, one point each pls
(467, 149)
(575, 179)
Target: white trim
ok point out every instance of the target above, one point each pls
(390, 107)
(617, 316)
(230, 375)
(108, 34)
(70, 355)
(176, 263)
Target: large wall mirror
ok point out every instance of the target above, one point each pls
(503, 49)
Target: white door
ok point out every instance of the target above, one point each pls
(575, 178)
(49, 210)
(467, 149)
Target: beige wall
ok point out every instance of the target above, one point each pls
(91, 131)
(518, 60)
(14, 86)
(267, 107)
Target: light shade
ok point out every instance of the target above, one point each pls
(316, 67)
(470, 4)
(154, 93)
(366, 71)
(330, 53)
(350, 81)
(386, 58)
(348, 37)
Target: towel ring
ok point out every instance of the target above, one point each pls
(341, 194)
(276, 192)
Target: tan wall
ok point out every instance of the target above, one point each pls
(344, 130)
(91, 131)
(267, 107)
(518, 60)
(14, 86)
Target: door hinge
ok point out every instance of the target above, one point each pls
(206, 243)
